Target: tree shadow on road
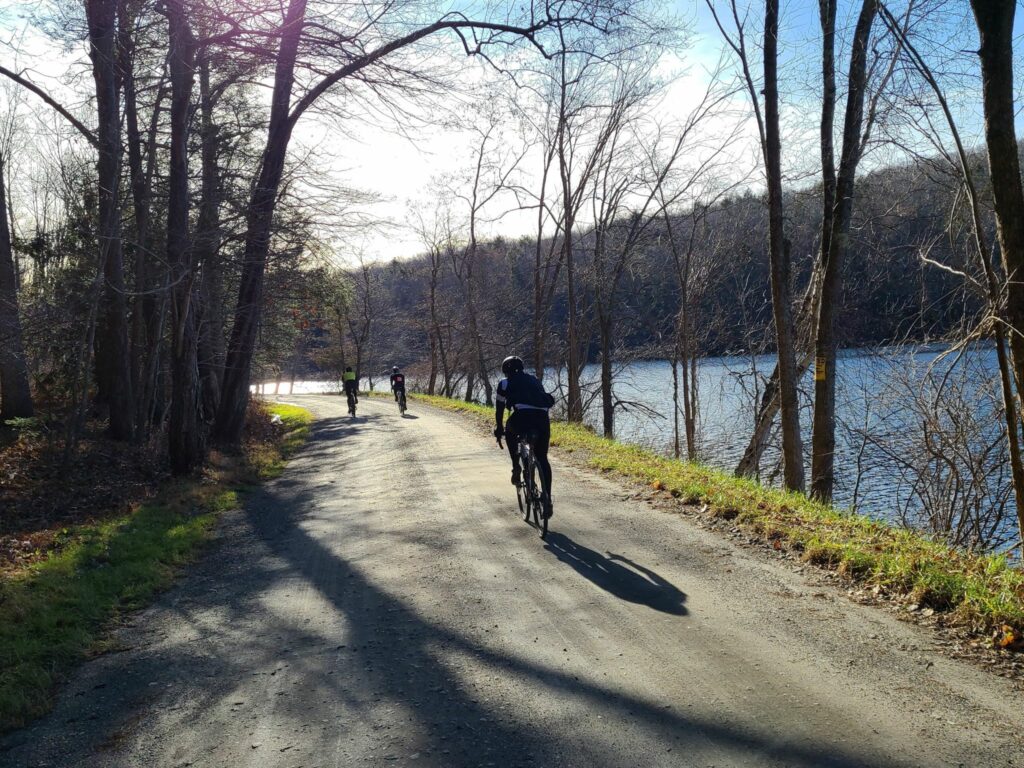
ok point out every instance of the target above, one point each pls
(618, 575)
(394, 655)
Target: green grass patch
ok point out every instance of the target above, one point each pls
(53, 614)
(268, 457)
(57, 611)
(981, 592)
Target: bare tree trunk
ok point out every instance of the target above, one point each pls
(688, 358)
(150, 303)
(544, 278)
(768, 407)
(470, 380)
(432, 379)
(675, 400)
(823, 442)
(185, 436)
(779, 259)
(15, 394)
(478, 350)
(235, 393)
(436, 341)
(1011, 416)
(994, 19)
(574, 410)
(134, 247)
(827, 11)
(607, 403)
(115, 358)
(207, 257)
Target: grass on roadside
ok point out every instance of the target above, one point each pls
(984, 593)
(267, 458)
(56, 612)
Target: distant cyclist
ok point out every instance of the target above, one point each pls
(526, 398)
(397, 382)
(351, 388)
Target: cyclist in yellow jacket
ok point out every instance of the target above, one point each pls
(351, 388)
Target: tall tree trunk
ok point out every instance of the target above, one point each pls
(768, 406)
(779, 259)
(675, 400)
(823, 442)
(435, 326)
(688, 356)
(135, 252)
(185, 436)
(242, 345)
(207, 256)
(150, 306)
(478, 344)
(574, 410)
(432, 379)
(607, 403)
(15, 394)
(114, 362)
(827, 12)
(995, 27)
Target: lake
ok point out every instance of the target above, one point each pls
(918, 434)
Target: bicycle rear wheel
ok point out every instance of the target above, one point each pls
(522, 487)
(533, 490)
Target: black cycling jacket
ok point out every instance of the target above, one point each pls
(521, 391)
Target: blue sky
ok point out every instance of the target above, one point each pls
(400, 171)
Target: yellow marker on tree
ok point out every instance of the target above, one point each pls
(819, 369)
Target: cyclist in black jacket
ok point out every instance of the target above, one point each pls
(397, 382)
(524, 396)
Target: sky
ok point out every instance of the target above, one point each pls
(398, 172)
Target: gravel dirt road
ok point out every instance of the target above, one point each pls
(382, 604)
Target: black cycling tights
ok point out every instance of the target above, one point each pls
(523, 422)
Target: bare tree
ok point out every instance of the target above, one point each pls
(778, 246)
(186, 435)
(113, 361)
(835, 231)
(476, 37)
(15, 394)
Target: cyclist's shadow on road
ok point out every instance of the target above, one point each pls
(619, 575)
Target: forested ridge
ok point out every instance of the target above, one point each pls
(891, 294)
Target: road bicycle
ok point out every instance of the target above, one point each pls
(351, 404)
(529, 492)
(401, 402)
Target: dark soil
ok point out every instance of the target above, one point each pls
(42, 497)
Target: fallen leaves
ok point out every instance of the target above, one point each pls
(42, 498)
(1008, 638)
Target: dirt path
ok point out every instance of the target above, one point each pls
(382, 604)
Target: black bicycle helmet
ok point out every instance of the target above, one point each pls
(512, 364)
(394, 369)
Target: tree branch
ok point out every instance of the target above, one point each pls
(89, 135)
(367, 59)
